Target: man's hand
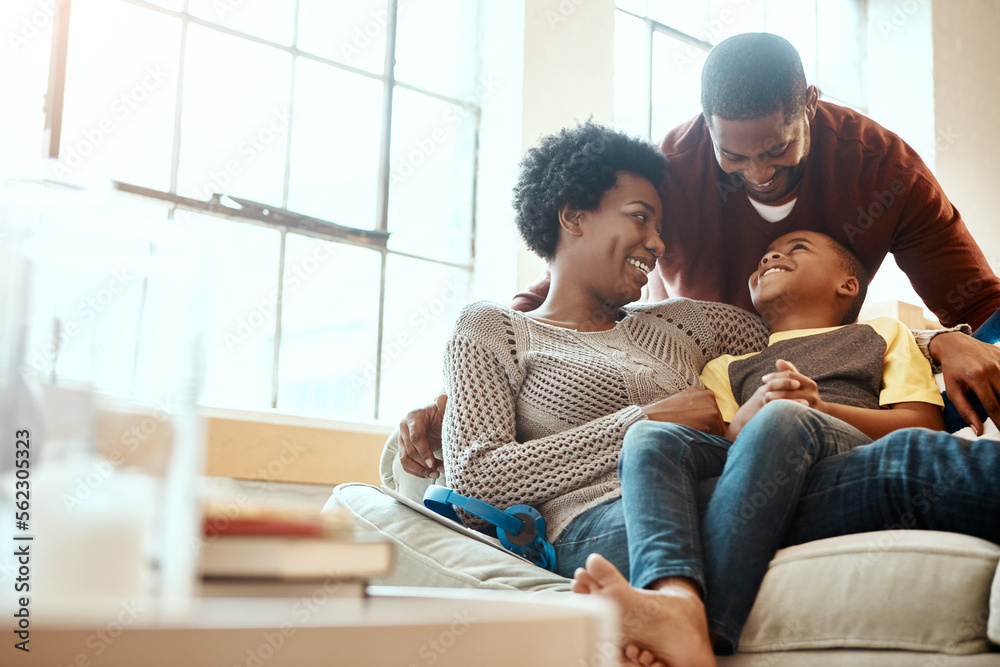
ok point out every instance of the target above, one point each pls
(969, 366)
(420, 437)
(694, 407)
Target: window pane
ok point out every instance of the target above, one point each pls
(634, 6)
(435, 46)
(631, 87)
(422, 302)
(240, 349)
(840, 57)
(690, 16)
(272, 20)
(348, 32)
(329, 329)
(121, 87)
(676, 89)
(432, 166)
(95, 284)
(730, 17)
(796, 21)
(335, 145)
(235, 118)
(175, 5)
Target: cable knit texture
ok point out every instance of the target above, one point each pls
(536, 413)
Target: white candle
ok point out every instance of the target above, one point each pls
(93, 531)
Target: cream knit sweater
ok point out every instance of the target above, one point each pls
(536, 414)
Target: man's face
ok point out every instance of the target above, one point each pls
(766, 156)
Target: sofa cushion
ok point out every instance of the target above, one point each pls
(993, 628)
(905, 589)
(430, 554)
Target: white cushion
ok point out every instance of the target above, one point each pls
(904, 589)
(430, 554)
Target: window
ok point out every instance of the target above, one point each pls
(661, 46)
(343, 138)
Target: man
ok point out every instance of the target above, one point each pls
(766, 157)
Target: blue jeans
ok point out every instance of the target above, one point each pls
(989, 332)
(912, 479)
(668, 495)
(654, 530)
(755, 500)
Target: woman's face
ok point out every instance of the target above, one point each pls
(622, 239)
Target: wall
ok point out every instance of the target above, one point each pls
(931, 67)
(499, 151)
(568, 70)
(967, 112)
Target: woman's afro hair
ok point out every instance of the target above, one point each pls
(576, 166)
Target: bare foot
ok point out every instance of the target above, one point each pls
(641, 657)
(669, 623)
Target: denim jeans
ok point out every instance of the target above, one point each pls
(989, 332)
(755, 501)
(600, 529)
(910, 479)
(659, 494)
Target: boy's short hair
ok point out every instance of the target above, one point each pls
(853, 266)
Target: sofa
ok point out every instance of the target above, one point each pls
(886, 598)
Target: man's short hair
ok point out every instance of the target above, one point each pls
(853, 266)
(752, 75)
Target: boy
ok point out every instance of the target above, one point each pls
(809, 289)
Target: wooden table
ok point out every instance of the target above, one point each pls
(409, 627)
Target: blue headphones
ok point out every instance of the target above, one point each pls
(521, 528)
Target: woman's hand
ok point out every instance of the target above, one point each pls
(787, 382)
(420, 437)
(969, 366)
(694, 407)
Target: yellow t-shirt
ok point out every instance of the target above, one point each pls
(905, 373)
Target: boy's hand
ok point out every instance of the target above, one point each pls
(787, 382)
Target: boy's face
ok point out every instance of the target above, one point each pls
(798, 265)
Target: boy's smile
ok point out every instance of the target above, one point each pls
(774, 269)
(783, 257)
(821, 280)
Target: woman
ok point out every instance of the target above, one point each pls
(539, 404)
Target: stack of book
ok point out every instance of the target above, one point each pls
(286, 550)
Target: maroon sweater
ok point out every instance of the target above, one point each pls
(862, 185)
